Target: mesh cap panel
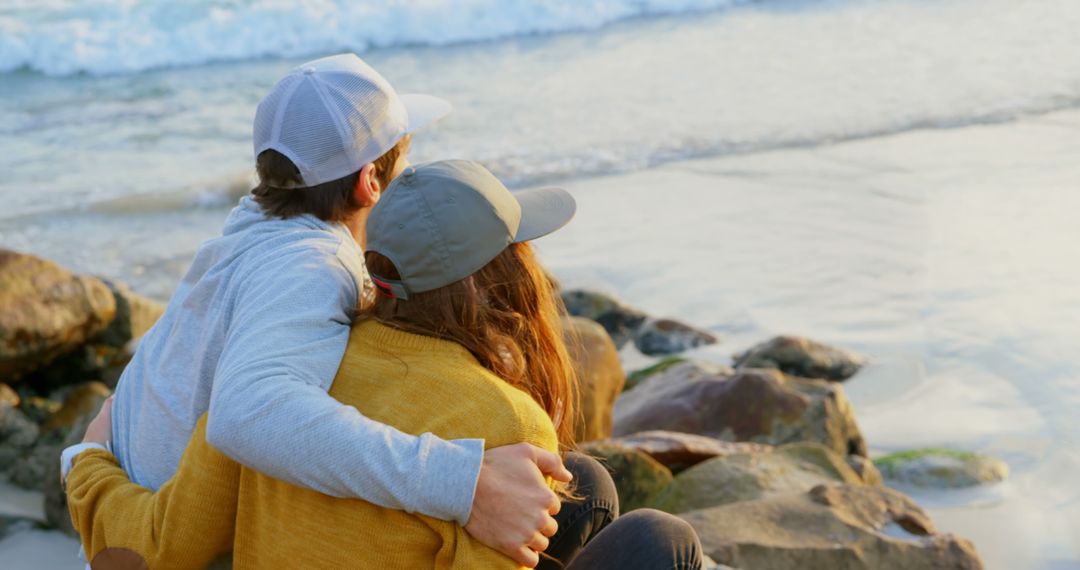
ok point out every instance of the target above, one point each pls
(331, 116)
(310, 129)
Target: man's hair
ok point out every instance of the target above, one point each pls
(330, 201)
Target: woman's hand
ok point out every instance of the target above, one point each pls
(100, 429)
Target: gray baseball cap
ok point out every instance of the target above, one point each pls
(443, 221)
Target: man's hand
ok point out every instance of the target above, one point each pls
(100, 428)
(513, 507)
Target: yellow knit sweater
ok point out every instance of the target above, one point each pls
(213, 505)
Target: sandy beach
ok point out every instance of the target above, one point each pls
(969, 320)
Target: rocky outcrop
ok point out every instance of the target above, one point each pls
(756, 405)
(679, 451)
(80, 405)
(801, 357)
(746, 476)
(665, 336)
(831, 527)
(56, 510)
(57, 328)
(17, 432)
(600, 376)
(46, 311)
(620, 320)
(638, 477)
(942, 468)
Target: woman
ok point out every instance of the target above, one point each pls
(463, 341)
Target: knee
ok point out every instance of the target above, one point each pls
(592, 481)
(664, 529)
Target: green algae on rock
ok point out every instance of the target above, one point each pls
(638, 376)
(638, 477)
(941, 468)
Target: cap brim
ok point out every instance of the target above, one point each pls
(543, 210)
(423, 110)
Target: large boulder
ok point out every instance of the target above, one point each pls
(802, 357)
(665, 336)
(831, 527)
(600, 376)
(679, 451)
(46, 311)
(638, 477)
(620, 320)
(756, 405)
(796, 467)
(941, 468)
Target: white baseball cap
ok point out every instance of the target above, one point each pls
(333, 115)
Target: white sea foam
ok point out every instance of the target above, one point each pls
(61, 37)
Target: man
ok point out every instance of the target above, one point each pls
(256, 330)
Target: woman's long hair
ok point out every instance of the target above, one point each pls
(507, 315)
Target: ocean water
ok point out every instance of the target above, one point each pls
(891, 175)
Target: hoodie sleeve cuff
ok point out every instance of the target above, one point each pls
(69, 454)
(449, 485)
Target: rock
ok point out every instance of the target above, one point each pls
(46, 311)
(8, 396)
(866, 469)
(10, 524)
(638, 376)
(105, 355)
(39, 409)
(746, 476)
(600, 376)
(30, 470)
(756, 405)
(56, 510)
(620, 321)
(135, 315)
(801, 357)
(942, 468)
(81, 400)
(678, 451)
(710, 564)
(17, 432)
(666, 336)
(80, 406)
(834, 527)
(638, 477)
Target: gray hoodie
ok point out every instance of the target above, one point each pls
(254, 334)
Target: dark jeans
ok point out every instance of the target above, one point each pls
(592, 535)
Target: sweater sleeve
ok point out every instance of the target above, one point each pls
(269, 407)
(185, 524)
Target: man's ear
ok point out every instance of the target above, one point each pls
(368, 189)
